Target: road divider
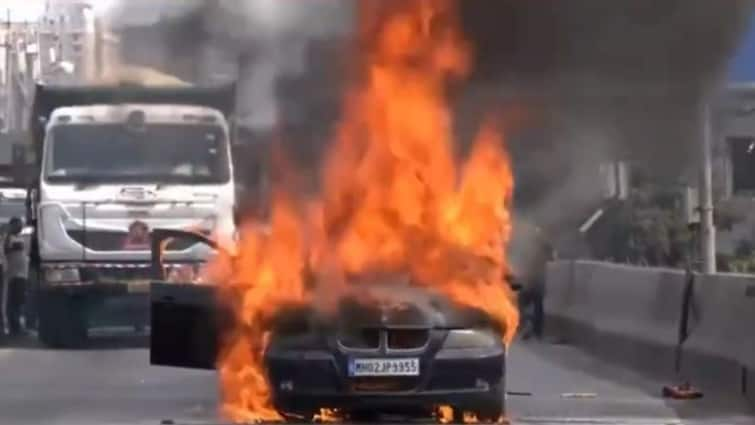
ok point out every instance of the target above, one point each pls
(616, 310)
(721, 345)
(644, 317)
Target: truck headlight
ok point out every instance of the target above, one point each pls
(470, 338)
(62, 276)
(186, 273)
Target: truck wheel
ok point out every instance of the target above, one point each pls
(31, 308)
(62, 321)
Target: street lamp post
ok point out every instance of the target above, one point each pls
(707, 227)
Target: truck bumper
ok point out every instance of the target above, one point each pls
(111, 304)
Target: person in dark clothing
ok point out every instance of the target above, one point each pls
(16, 272)
(532, 291)
(532, 296)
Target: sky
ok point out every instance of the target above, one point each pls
(21, 10)
(742, 66)
(31, 10)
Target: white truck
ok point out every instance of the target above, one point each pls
(114, 163)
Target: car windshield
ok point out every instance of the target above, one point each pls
(169, 153)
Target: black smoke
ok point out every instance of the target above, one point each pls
(592, 80)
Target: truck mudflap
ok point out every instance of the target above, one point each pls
(186, 318)
(186, 321)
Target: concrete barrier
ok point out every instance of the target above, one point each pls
(641, 303)
(561, 300)
(633, 315)
(721, 347)
(618, 311)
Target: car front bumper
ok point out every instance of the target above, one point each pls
(313, 380)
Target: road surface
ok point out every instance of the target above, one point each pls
(111, 382)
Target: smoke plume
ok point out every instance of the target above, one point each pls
(257, 42)
(598, 80)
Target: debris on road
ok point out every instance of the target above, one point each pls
(578, 395)
(519, 393)
(682, 392)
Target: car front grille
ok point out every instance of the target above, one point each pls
(396, 339)
(360, 338)
(407, 339)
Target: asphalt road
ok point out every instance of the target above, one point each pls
(111, 382)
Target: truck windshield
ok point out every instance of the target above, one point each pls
(164, 153)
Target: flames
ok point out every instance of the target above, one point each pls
(392, 202)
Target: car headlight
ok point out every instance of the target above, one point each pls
(470, 338)
(62, 276)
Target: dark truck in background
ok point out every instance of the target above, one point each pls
(113, 163)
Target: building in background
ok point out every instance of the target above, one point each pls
(59, 48)
(733, 121)
(18, 68)
(66, 30)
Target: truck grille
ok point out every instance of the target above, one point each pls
(99, 240)
(106, 275)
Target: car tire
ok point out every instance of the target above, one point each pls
(364, 416)
(488, 409)
(492, 407)
(62, 321)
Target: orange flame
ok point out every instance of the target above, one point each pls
(393, 200)
(444, 414)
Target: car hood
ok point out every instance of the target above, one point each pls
(386, 306)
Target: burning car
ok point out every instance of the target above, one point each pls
(382, 287)
(420, 354)
(391, 348)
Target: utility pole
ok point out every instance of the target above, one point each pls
(707, 228)
(99, 49)
(10, 69)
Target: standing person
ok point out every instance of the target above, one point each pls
(16, 271)
(534, 253)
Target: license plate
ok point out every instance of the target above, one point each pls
(138, 287)
(384, 367)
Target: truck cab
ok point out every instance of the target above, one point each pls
(109, 173)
